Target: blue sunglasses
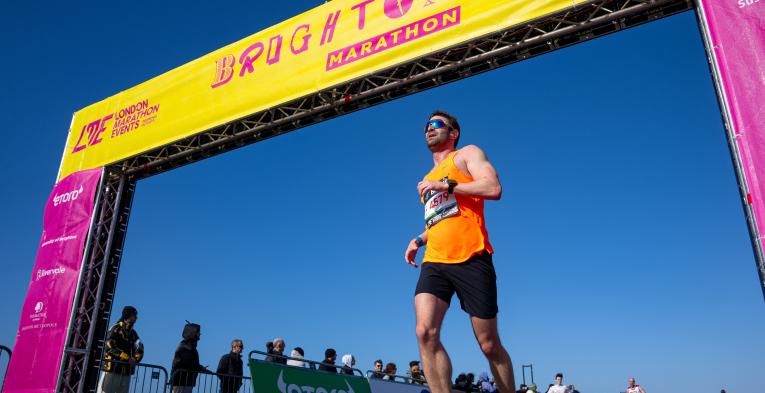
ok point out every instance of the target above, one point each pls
(436, 124)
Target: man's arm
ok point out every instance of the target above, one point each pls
(470, 159)
(485, 182)
(411, 249)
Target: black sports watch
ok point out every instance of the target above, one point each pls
(452, 184)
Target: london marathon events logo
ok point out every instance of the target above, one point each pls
(119, 123)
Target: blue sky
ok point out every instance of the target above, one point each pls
(621, 246)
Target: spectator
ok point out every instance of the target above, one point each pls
(532, 388)
(523, 389)
(230, 368)
(572, 389)
(186, 360)
(471, 382)
(297, 356)
(276, 353)
(632, 387)
(415, 373)
(390, 372)
(460, 383)
(378, 374)
(484, 386)
(328, 364)
(348, 362)
(558, 386)
(123, 350)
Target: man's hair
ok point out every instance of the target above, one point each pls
(453, 123)
(379, 361)
(414, 363)
(235, 341)
(559, 375)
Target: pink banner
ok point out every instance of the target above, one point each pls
(40, 340)
(736, 31)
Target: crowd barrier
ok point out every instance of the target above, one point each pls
(396, 384)
(271, 377)
(4, 363)
(206, 381)
(395, 378)
(146, 378)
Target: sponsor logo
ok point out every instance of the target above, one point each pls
(39, 307)
(121, 122)
(41, 273)
(284, 387)
(66, 197)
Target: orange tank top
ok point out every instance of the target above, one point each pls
(455, 224)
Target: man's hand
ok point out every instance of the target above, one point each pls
(411, 253)
(427, 185)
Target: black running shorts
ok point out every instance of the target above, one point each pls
(474, 281)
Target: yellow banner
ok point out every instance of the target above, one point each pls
(330, 44)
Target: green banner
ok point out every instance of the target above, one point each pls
(277, 378)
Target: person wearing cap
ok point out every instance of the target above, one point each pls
(297, 356)
(123, 350)
(328, 364)
(185, 367)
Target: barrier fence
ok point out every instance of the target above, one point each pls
(4, 363)
(372, 375)
(145, 378)
(205, 381)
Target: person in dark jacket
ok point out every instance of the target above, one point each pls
(123, 350)
(230, 368)
(276, 351)
(328, 364)
(186, 361)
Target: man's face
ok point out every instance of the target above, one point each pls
(378, 367)
(237, 347)
(524, 388)
(279, 346)
(631, 382)
(131, 320)
(559, 380)
(437, 136)
(416, 369)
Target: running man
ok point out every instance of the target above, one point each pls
(458, 257)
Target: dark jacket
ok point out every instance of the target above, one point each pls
(229, 368)
(276, 357)
(328, 367)
(186, 360)
(346, 370)
(122, 344)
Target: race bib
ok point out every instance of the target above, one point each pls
(439, 205)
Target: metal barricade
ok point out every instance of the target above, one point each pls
(396, 378)
(4, 364)
(206, 381)
(146, 378)
(307, 363)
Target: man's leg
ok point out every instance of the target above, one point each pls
(430, 311)
(487, 334)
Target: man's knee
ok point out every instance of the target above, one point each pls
(427, 334)
(491, 347)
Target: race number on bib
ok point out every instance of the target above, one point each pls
(439, 205)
